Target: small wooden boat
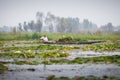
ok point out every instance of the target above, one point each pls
(86, 42)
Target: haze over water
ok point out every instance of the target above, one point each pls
(99, 12)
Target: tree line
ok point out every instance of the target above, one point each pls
(52, 23)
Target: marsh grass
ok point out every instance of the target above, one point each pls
(106, 46)
(56, 36)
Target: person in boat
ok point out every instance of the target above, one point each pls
(44, 38)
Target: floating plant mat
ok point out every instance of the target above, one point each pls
(115, 59)
(40, 47)
(31, 54)
(107, 46)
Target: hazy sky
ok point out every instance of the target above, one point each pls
(97, 11)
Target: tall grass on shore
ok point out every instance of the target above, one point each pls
(56, 36)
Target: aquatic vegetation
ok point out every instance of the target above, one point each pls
(32, 54)
(103, 46)
(53, 54)
(40, 47)
(3, 68)
(24, 62)
(90, 77)
(66, 39)
(102, 59)
(18, 52)
(51, 77)
(2, 43)
(49, 47)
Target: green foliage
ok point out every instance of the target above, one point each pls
(31, 54)
(49, 47)
(35, 36)
(40, 47)
(34, 62)
(78, 60)
(2, 43)
(64, 78)
(54, 36)
(53, 54)
(66, 39)
(108, 46)
(90, 77)
(2, 68)
(27, 36)
(102, 59)
(51, 77)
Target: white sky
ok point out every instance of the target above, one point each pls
(97, 11)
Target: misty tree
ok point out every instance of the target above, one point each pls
(85, 25)
(20, 27)
(72, 25)
(110, 27)
(61, 25)
(50, 22)
(5, 29)
(39, 16)
(39, 23)
(92, 27)
(88, 26)
(51, 28)
(38, 26)
(107, 28)
(76, 25)
(69, 25)
(25, 26)
(118, 28)
(31, 25)
(14, 30)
